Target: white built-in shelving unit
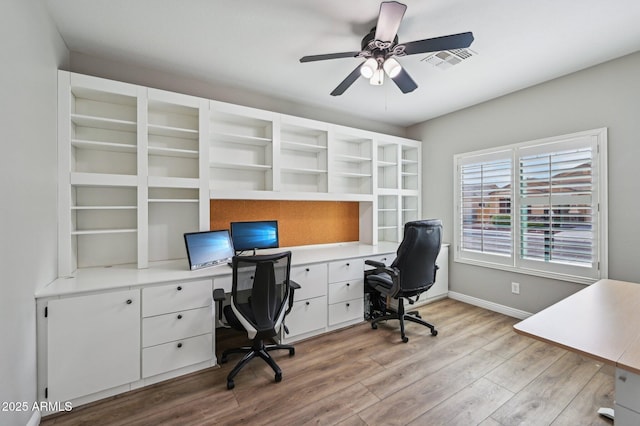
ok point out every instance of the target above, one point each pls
(130, 175)
(304, 160)
(138, 167)
(398, 186)
(240, 150)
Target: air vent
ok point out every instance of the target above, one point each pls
(448, 58)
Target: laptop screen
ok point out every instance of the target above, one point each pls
(208, 248)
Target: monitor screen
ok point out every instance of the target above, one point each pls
(208, 248)
(254, 235)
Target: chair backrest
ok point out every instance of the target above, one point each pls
(416, 256)
(260, 291)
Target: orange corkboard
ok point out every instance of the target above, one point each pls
(299, 222)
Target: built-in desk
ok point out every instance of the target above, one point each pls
(108, 330)
(603, 322)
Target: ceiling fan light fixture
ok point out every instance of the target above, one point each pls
(378, 77)
(369, 68)
(392, 67)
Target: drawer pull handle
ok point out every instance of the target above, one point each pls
(384, 259)
(179, 287)
(306, 303)
(307, 269)
(348, 284)
(347, 305)
(622, 378)
(179, 345)
(129, 301)
(347, 264)
(180, 316)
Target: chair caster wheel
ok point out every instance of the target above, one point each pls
(374, 326)
(278, 377)
(405, 339)
(434, 332)
(292, 352)
(230, 384)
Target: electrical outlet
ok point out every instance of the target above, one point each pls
(515, 288)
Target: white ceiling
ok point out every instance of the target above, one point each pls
(257, 44)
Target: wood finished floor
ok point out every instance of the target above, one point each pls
(477, 371)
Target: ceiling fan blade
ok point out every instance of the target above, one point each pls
(391, 13)
(404, 82)
(351, 78)
(453, 41)
(329, 56)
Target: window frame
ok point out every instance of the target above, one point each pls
(597, 140)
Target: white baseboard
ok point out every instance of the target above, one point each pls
(506, 310)
(35, 419)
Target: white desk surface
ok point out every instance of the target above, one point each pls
(602, 321)
(87, 280)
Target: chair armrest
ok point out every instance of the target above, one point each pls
(293, 286)
(374, 263)
(218, 296)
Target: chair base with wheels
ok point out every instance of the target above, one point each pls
(258, 349)
(402, 316)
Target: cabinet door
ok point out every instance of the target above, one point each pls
(93, 343)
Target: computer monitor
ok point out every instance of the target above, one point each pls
(254, 235)
(208, 248)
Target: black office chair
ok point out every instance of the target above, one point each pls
(261, 296)
(412, 273)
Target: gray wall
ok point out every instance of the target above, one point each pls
(131, 73)
(607, 95)
(32, 51)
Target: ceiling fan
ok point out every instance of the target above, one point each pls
(381, 45)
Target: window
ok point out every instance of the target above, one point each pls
(536, 207)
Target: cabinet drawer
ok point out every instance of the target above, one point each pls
(176, 297)
(625, 417)
(312, 280)
(176, 325)
(346, 290)
(627, 390)
(170, 356)
(344, 270)
(346, 311)
(307, 315)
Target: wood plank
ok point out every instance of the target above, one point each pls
(515, 373)
(598, 392)
(470, 406)
(540, 402)
(414, 400)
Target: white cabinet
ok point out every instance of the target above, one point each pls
(93, 343)
(177, 326)
(309, 313)
(346, 292)
(627, 404)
